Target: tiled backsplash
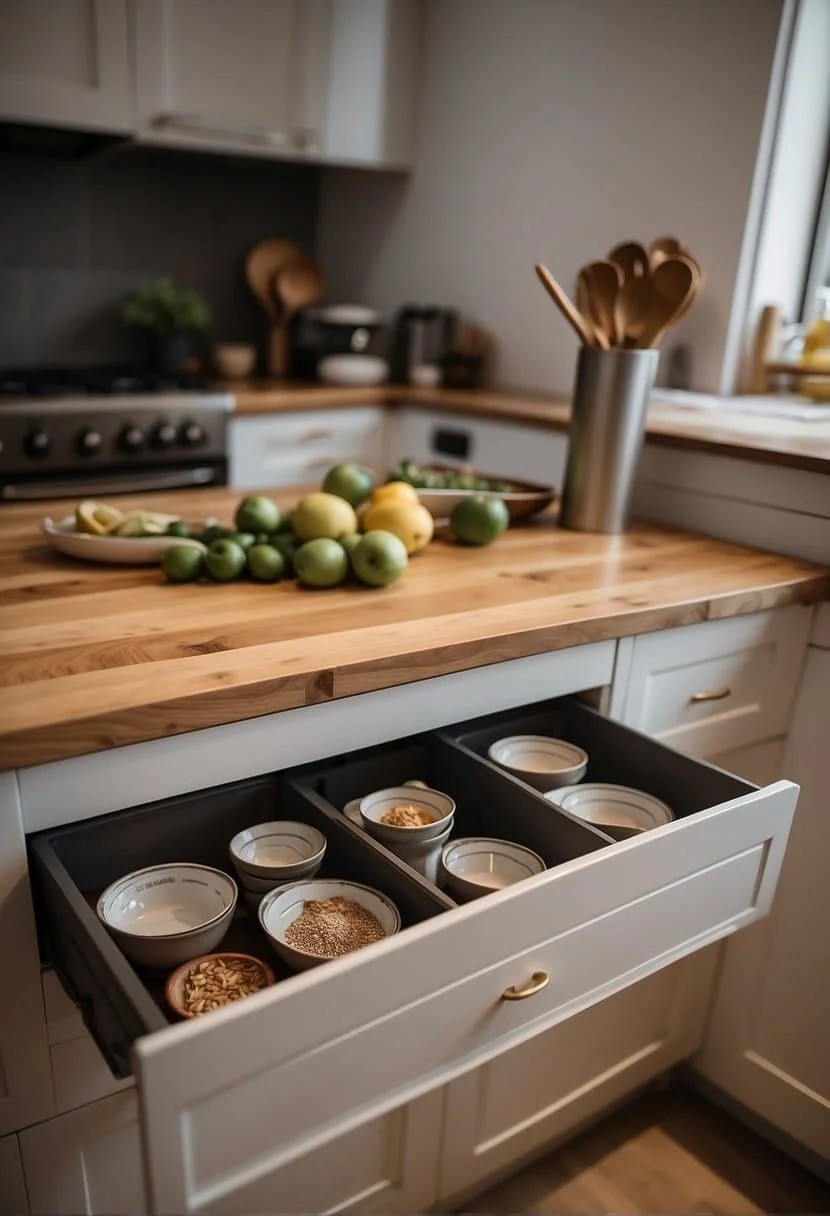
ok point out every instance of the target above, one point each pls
(76, 235)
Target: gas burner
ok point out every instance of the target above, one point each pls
(53, 382)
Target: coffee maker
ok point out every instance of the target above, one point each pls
(422, 335)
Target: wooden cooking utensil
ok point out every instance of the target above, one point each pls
(298, 284)
(631, 258)
(565, 306)
(632, 310)
(663, 247)
(261, 264)
(585, 305)
(676, 284)
(603, 280)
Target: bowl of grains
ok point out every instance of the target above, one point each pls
(214, 980)
(406, 812)
(312, 921)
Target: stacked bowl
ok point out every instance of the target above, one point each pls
(268, 855)
(413, 821)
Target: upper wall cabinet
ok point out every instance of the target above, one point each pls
(65, 64)
(323, 80)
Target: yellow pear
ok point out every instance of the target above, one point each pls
(409, 521)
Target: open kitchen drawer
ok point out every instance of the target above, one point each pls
(229, 1098)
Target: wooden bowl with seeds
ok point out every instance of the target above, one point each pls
(212, 981)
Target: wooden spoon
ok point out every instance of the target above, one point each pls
(560, 298)
(632, 310)
(676, 284)
(261, 264)
(631, 258)
(298, 284)
(585, 306)
(663, 247)
(602, 281)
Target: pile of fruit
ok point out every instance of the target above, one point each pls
(447, 479)
(322, 542)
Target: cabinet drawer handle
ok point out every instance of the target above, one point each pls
(318, 433)
(719, 694)
(538, 981)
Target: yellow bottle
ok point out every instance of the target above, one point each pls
(816, 351)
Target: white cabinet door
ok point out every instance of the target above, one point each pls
(768, 1041)
(298, 448)
(63, 63)
(25, 1079)
(241, 75)
(13, 1200)
(532, 453)
(549, 1086)
(88, 1161)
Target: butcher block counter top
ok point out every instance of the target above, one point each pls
(781, 441)
(96, 656)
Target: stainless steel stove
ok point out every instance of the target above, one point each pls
(83, 433)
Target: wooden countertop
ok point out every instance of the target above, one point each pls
(794, 444)
(94, 657)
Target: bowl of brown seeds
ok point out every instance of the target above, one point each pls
(212, 981)
(312, 921)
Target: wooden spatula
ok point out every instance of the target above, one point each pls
(675, 286)
(602, 281)
(632, 311)
(298, 284)
(631, 258)
(262, 263)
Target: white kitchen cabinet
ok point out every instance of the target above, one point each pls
(236, 75)
(298, 448)
(25, 1079)
(13, 1198)
(321, 80)
(86, 1162)
(64, 63)
(719, 685)
(767, 1044)
(529, 452)
(528, 1097)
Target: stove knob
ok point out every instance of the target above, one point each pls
(88, 442)
(37, 444)
(191, 434)
(163, 435)
(131, 439)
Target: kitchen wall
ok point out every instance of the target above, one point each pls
(550, 130)
(76, 235)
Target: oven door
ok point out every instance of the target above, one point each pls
(115, 481)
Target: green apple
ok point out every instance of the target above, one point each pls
(321, 562)
(350, 541)
(379, 559)
(183, 563)
(265, 563)
(349, 481)
(479, 520)
(256, 513)
(225, 560)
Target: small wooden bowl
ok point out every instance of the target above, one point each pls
(174, 988)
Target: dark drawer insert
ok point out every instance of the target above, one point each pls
(72, 865)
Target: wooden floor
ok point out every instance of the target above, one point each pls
(669, 1152)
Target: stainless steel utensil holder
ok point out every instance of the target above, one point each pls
(608, 413)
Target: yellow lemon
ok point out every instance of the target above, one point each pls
(395, 491)
(99, 518)
(409, 521)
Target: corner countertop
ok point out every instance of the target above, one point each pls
(780, 441)
(94, 656)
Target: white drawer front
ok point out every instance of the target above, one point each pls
(359, 1036)
(290, 449)
(707, 688)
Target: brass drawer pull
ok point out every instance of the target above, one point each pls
(538, 981)
(719, 694)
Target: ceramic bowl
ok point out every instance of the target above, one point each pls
(540, 760)
(280, 908)
(352, 369)
(111, 550)
(164, 915)
(618, 810)
(261, 886)
(423, 855)
(234, 361)
(279, 850)
(479, 865)
(174, 988)
(372, 808)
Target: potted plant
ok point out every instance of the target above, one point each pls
(173, 317)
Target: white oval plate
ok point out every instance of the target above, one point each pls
(121, 550)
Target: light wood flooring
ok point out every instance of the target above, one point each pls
(666, 1152)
